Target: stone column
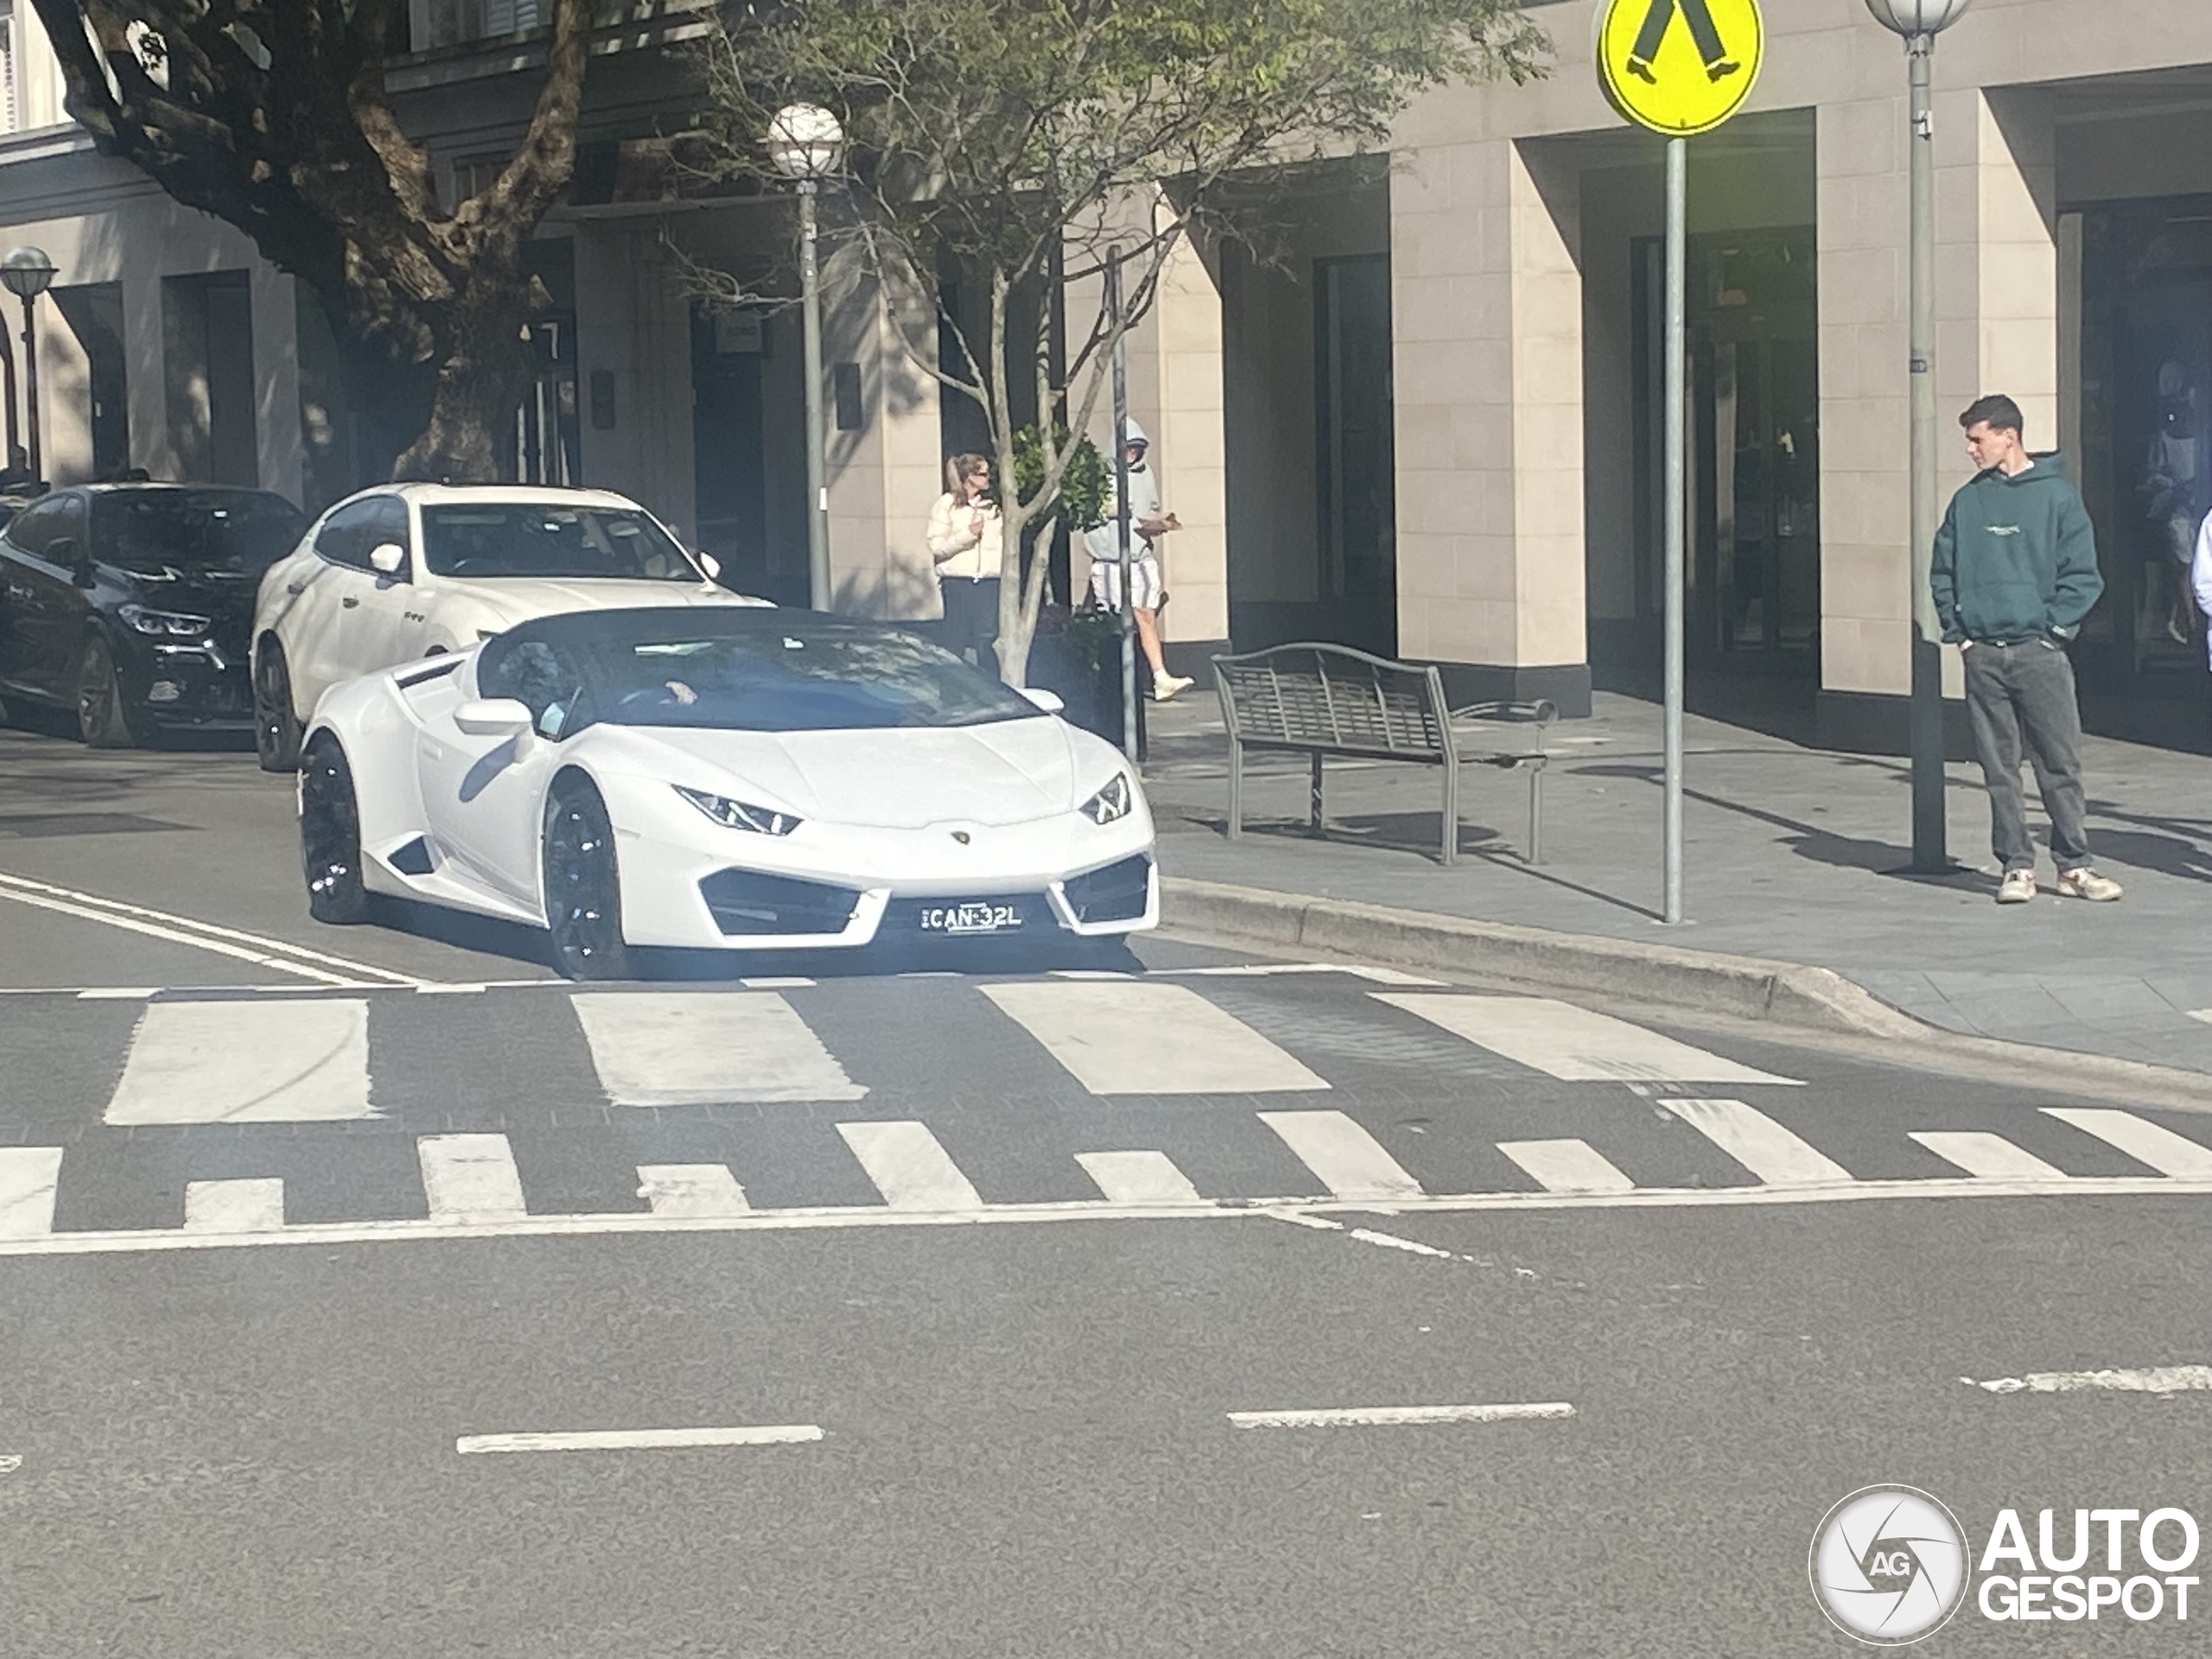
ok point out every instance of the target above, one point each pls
(1487, 308)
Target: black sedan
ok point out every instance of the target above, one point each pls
(132, 604)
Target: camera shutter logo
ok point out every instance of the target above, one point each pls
(1889, 1564)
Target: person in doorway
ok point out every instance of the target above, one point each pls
(2014, 573)
(964, 541)
(2200, 573)
(1148, 524)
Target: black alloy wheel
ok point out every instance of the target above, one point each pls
(275, 726)
(583, 890)
(330, 836)
(102, 721)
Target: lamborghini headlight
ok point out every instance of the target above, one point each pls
(739, 814)
(1113, 802)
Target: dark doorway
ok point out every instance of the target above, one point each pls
(93, 312)
(730, 488)
(2145, 467)
(1753, 599)
(1357, 499)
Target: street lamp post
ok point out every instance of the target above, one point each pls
(27, 271)
(1919, 21)
(806, 145)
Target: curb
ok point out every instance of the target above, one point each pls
(1750, 988)
(1746, 987)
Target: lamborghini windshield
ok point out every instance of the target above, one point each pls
(735, 670)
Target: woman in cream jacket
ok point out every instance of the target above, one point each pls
(963, 539)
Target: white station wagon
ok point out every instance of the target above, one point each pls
(406, 571)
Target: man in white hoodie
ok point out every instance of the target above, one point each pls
(1146, 525)
(2200, 574)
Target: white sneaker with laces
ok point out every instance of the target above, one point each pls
(1165, 686)
(2086, 883)
(2018, 888)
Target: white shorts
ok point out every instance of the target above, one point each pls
(1144, 584)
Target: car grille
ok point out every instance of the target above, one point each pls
(746, 901)
(1116, 894)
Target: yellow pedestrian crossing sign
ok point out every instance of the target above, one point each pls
(1680, 66)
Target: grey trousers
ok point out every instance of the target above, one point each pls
(2024, 694)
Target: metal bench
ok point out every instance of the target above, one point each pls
(1322, 700)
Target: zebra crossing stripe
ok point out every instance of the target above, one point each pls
(691, 1190)
(1566, 1166)
(1986, 1157)
(222, 1062)
(1778, 1156)
(1573, 1044)
(1130, 1037)
(470, 1178)
(687, 1048)
(2140, 1139)
(1138, 1177)
(28, 1176)
(1350, 1161)
(909, 1166)
(245, 1206)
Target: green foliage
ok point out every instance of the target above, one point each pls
(1085, 492)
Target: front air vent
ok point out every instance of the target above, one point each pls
(1115, 894)
(413, 859)
(747, 902)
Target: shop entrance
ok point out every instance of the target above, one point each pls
(1753, 580)
(2145, 467)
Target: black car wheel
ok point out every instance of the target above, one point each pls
(275, 726)
(583, 890)
(330, 836)
(103, 721)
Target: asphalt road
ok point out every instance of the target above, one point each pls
(964, 1277)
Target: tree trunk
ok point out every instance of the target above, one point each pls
(483, 370)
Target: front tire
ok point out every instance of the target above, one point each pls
(275, 725)
(102, 721)
(583, 887)
(330, 836)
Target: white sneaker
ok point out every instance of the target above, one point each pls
(2018, 888)
(1165, 686)
(2086, 883)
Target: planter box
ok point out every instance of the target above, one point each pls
(1093, 694)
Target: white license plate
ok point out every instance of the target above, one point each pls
(970, 918)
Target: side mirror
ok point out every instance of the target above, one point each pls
(1050, 702)
(710, 564)
(62, 549)
(493, 717)
(388, 559)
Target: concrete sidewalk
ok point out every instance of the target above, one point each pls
(1792, 855)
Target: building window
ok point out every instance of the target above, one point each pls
(456, 23)
(506, 16)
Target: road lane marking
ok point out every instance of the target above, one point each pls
(233, 1063)
(1778, 1156)
(1394, 1416)
(639, 1439)
(1392, 1241)
(1346, 1158)
(1305, 1210)
(1573, 1044)
(470, 1178)
(691, 1190)
(909, 1166)
(690, 1048)
(29, 1177)
(256, 1205)
(205, 935)
(1131, 1037)
(1992, 1157)
(1139, 1178)
(787, 983)
(2140, 1139)
(2156, 1379)
(1566, 1166)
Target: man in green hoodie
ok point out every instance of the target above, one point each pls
(2015, 571)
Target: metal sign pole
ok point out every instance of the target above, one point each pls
(1122, 502)
(1676, 505)
(1930, 855)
